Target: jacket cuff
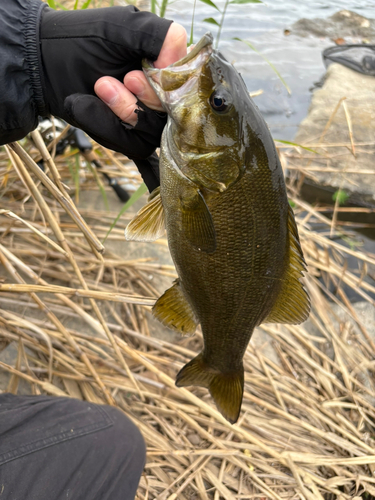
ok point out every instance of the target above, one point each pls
(33, 54)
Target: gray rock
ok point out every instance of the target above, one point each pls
(9, 357)
(92, 200)
(130, 250)
(194, 439)
(358, 94)
(341, 321)
(366, 316)
(342, 24)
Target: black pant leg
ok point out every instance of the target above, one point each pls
(59, 448)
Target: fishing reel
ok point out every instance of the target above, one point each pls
(49, 128)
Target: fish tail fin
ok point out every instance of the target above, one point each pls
(225, 388)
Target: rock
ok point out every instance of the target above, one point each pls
(343, 24)
(355, 91)
(364, 311)
(366, 316)
(9, 357)
(194, 439)
(129, 250)
(341, 321)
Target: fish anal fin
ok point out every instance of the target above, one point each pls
(225, 388)
(149, 223)
(174, 311)
(197, 223)
(293, 303)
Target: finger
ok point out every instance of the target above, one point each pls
(93, 116)
(118, 98)
(174, 47)
(136, 82)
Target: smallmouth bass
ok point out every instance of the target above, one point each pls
(231, 231)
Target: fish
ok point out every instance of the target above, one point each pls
(230, 228)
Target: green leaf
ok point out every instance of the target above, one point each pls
(71, 168)
(341, 196)
(297, 145)
(74, 167)
(76, 175)
(52, 4)
(163, 8)
(265, 59)
(291, 203)
(134, 197)
(208, 2)
(62, 7)
(192, 24)
(76, 5)
(211, 20)
(245, 1)
(99, 183)
(86, 4)
(354, 245)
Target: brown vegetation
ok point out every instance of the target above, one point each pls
(306, 429)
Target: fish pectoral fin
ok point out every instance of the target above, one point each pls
(149, 223)
(174, 311)
(197, 223)
(225, 388)
(293, 303)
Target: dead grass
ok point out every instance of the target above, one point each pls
(306, 429)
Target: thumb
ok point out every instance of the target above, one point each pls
(174, 46)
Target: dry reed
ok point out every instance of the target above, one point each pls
(307, 423)
(79, 324)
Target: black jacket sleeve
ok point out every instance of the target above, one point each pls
(20, 85)
(47, 57)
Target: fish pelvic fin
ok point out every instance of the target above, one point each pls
(174, 311)
(149, 223)
(225, 388)
(293, 303)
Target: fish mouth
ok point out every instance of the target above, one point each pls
(205, 41)
(178, 74)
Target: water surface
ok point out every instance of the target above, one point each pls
(298, 59)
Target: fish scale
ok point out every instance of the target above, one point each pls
(223, 278)
(231, 231)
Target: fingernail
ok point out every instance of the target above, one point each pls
(108, 93)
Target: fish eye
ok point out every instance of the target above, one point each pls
(221, 101)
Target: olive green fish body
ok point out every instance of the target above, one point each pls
(230, 229)
(232, 289)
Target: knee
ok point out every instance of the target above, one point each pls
(124, 439)
(119, 452)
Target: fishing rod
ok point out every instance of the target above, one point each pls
(76, 138)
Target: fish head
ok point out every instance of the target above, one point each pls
(204, 97)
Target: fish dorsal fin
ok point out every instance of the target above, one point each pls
(197, 224)
(174, 311)
(293, 303)
(225, 388)
(149, 223)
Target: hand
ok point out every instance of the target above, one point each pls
(79, 47)
(122, 99)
